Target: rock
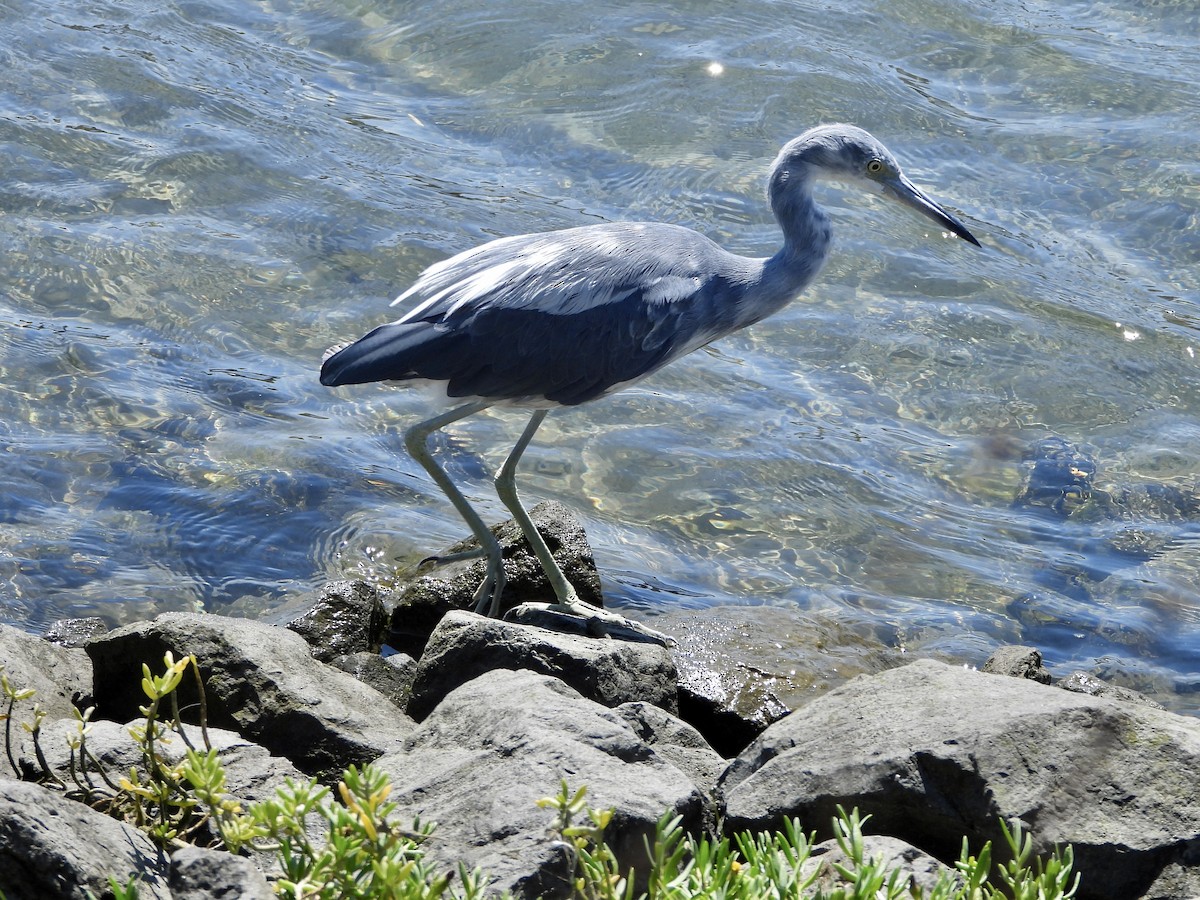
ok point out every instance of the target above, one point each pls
(421, 603)
(347, 617)
(677, 742)
(797, 655)
(253, 774)
(198, 874)
(465, 646)
(921, 870)
(52, 847)
(1017, 662)
(391, 675)
(57, 675)
(729, 710)
(934, 753)
(1086, 683)
(75, 632)
(260, 681)
(492, 748)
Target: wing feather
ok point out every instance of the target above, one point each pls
(562, 317)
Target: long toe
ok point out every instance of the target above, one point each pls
(590, 620)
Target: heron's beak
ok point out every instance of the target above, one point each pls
(900, 188)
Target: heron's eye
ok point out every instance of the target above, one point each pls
(875, 166)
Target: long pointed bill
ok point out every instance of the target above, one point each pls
(910, 195)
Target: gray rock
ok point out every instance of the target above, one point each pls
(676, 741)
(481, 761)
(920, 869)
(347, 617)
(1017, 662)
(465, 646)
(260, 681)
(75, 632)
(392, 676)
(1086, 683)
(56, 674)
(198, 874)
(422, 602)
(934, 753)
(52, 847)
(253, 774)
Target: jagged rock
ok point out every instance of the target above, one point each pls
(347, 617)
(198, 874)
(391, 675)
(1017, 662)
(421, 603)
(465, 646)
(52, 847)
(261, 681)
(493, 747)
(1086, 683)
(935, 752)
(57, 675)
(75, 632)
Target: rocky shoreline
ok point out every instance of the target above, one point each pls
(488, 716)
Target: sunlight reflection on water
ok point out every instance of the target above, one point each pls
(198, 199)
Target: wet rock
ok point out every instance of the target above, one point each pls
(347, 617)
(1017, 662)
(198, 874)
(54, 847)
(465, 646)
(1086, 683)
(261, 681)
(75, 632)
(730, 709)
(495, 746)
(421, 603)
(934, 753)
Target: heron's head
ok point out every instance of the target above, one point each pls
(847, 153)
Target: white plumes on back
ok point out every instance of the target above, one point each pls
(566, 272)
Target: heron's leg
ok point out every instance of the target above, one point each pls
(600, 622)
(506, 488)
(416, 441)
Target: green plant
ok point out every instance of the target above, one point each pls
(771, 866)
(364, 853)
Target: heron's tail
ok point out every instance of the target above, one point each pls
(392, 352)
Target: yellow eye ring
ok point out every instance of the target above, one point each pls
(875, 166)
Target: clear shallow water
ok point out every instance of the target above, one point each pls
(198, 198)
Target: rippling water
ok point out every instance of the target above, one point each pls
(196, 198)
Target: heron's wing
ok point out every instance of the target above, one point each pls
(562, 272)
(563, 317)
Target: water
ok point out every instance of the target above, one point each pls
(198, 197)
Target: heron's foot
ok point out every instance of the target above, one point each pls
(600, 623)
(448, 558)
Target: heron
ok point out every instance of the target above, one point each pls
(556, 319)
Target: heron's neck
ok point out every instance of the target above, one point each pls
(807, 236)
(805, 226)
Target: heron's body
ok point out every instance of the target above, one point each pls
(582, 313)
(564, 317)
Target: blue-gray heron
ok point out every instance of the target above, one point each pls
(561, 318)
